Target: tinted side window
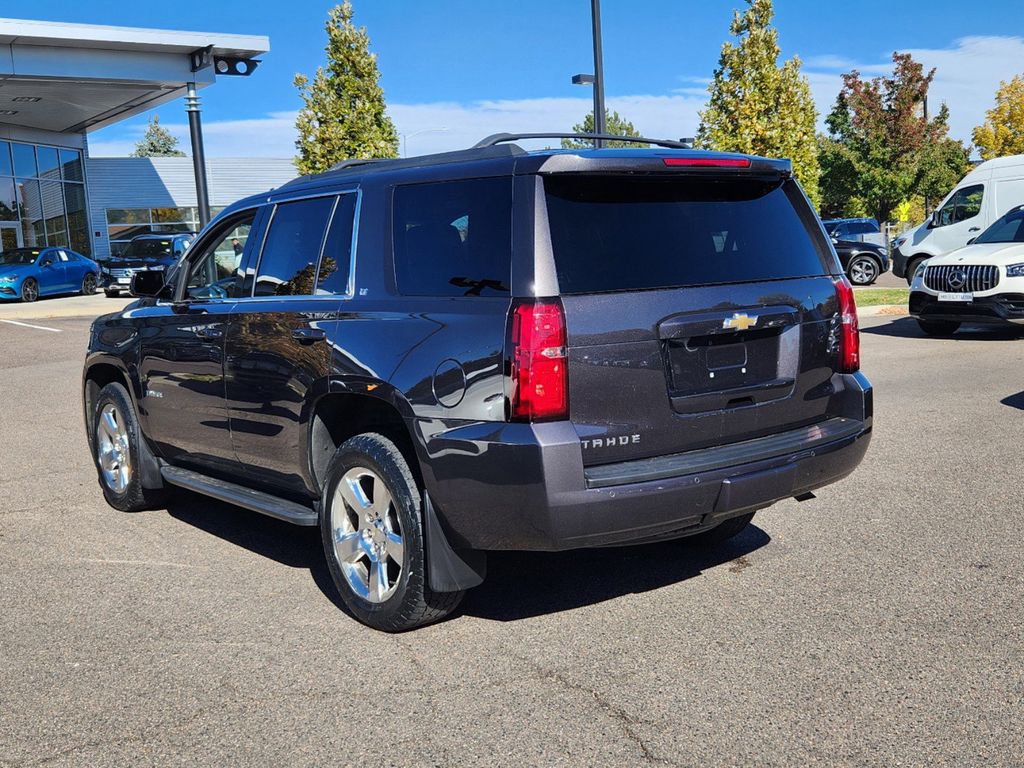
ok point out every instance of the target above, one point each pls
(964, 204)
(336, 263)
(292, 248)
(454, 238)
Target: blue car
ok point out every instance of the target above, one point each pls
(28, 273)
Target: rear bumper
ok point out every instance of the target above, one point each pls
(523, 486)
(1001, 309)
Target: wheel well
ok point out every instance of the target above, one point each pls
(96, 379)
(339, 417)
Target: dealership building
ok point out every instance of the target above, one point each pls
(59, 82)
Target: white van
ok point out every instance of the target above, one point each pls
(981, 197)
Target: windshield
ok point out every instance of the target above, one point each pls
(620, 233)
(149, 248)
(1009, 229)
(20, 256)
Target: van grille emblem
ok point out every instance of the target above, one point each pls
(740, 321)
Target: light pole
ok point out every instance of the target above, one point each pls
(405, 137)
(596, 79)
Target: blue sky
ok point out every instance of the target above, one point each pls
(456, 70)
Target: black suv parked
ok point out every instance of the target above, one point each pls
(490, 349)
(144, 252)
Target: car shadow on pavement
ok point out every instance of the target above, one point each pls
(291, 545)
(907, 328)
(1014, 401)
(519, 585)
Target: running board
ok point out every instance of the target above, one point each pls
(239, 495)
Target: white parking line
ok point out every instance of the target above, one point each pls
(29, 325)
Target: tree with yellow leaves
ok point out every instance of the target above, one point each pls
(1003, 130)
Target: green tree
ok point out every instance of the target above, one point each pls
(157, 142)
(1002, 133)
(613, 123)
(881, 150)
(343, 114)
(755, 105)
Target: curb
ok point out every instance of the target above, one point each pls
(892, 310)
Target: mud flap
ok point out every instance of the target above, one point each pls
(449, 570)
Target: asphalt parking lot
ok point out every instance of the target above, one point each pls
(878, 625)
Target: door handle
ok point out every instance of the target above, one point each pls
(974, 229)
(309, 335)
(209, 333)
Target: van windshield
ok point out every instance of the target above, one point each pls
(617, 233)
(1008, 229)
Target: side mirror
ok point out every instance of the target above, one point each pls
(148, 284)
(933, 222)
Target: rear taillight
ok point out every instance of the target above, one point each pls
(849, 331)
(540, 384)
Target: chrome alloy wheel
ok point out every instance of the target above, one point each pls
(113, 450)
(863, 271)
(367, 535)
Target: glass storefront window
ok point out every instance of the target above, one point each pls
(8, 202)
(24, 159)
(30, 205)
(171, 215)
(47, 197)
(6, 169)
(49, 164)
(71, 166)
(128, 216)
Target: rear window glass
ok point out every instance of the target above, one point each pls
(454, 238)
(623, 234)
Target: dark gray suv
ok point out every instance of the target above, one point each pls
(490, 349)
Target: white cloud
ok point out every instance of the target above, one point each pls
(968, 75)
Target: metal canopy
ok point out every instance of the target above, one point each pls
(71, 78)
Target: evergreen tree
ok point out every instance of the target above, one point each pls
(1002, 133)
(343, 114)
(755, 105)
(613, 123)
(157, 142)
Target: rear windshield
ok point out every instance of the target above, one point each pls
(626, 234)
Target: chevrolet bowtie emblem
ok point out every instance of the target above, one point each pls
(739, 322)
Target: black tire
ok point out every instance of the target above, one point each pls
(132, 497)
(912, 266)
(409, 602)
(29, 290)
(111, 294)
(938, 327)
(721, 532)
(863, 270)
(89, 284)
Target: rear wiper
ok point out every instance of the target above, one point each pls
(476, 287)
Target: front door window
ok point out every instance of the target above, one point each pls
(964, 204)
(213, 272)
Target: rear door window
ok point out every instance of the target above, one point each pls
(292, 248)
(627, 234)
(454, 238)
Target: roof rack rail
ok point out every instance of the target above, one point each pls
(354, 162)
(499, 138)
